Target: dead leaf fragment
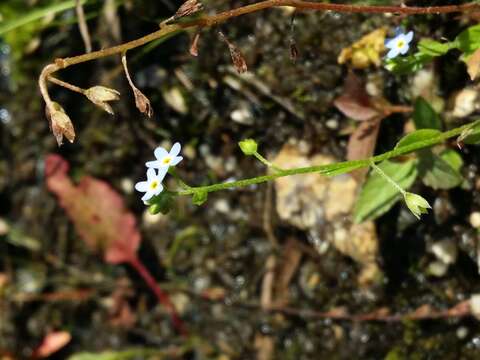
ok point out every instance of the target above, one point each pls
(366, 51)
(51, 343)
(97, 211)
(354, 102)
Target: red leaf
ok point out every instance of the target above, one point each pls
(97, 211)
(355, 102)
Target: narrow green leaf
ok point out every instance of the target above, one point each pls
(36, 14)
(378, 195)
(424, 116)
(417, 136)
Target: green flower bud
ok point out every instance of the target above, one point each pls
(248, 146)
(417, 204)
(199, 197)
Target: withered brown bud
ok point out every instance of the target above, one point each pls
(194, 45)
(100, 95)
(60, 123)
(142, 103)
(189, 7)
(236, 55)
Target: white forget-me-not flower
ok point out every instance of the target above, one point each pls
(399, 44)
(153, 186)
(164, 158)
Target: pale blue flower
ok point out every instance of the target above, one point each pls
(399, 44)
(164, 158)
(153, 186)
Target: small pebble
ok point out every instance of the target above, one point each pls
(446, 251)
(475, 219)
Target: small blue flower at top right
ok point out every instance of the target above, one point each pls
(399, 44)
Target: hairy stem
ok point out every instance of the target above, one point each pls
(333, 169)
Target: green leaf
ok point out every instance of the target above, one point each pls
(433, 48)
(417, 136)
(378, 195)
(36, 14)
(408, 64)
(471, 135)
(437, 172)
(424, 116)
(453, 158)
(468, 40)
(161, 203)
(199, 197)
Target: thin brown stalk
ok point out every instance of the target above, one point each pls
(66, 85)
(83, 27)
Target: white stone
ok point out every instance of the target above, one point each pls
(475, 305)
(475, 219)
(446, 251)
(437, 268)
(465, 102)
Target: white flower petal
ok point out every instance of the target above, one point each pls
(404, 49)
(176, 160)
(161, 173)
(151, 175)
(141, 186)
(158, 190)
(157, 164)
(160, 152)
(175, 150)
(148, 195)
(391, 44)
(392, 53)
(408, 37)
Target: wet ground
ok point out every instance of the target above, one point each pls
(216, 260)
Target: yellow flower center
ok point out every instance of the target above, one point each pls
(400, 44)
(154, 185)
(167, 160)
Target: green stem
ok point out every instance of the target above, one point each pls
(266, 162)
(387, 178)
(334, 169)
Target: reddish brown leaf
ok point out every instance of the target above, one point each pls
(355, 103)
(361, 144)
(51, 343)
(97, 211)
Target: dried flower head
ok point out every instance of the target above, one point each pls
(142, 103)
(101, 95)
(237, 56)
(60, 123)
(189, 7)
